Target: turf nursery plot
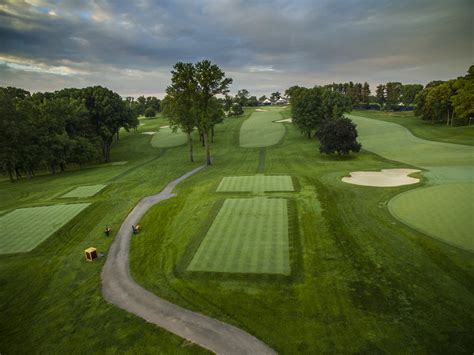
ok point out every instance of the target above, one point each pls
(24, 228)
(444, 212)
(84, 191)
(248, 235)
(260, 130)
(166, 138)
(255, 183)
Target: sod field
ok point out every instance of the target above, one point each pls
(249, 235)
(369, 283)
(84, 191)
(166, 138)
(255, 183)
(25, 228)
(260, 130)
(443, 211)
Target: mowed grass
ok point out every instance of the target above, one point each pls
(260, 130)
(256, 183)
(249, 235)
(166, 138)
(444, 211)
(25, 228)
(84, 191)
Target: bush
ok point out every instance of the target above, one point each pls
(236, 109)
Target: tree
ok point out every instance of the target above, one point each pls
(463, 100)
(179, 104)
(409, 92)
(393, 91)
(275, 96)
(365, 94)
(150, 112)
(236, 109)
(306, 106)
(210, 81)
(338, 136)
(380, 94)
(242, 97)
(252, 101)
(262, 98)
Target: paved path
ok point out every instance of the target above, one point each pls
(119, 288)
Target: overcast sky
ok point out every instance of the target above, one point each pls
(130, 46)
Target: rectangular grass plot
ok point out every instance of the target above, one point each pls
(248, 235)
(256, 183)
(25, 228)
(84, 191)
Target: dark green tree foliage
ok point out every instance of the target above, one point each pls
(252, 101)
(358, 93)
(236, 109)
(393, 92)
(150, 112)
(339, 136)
(380, 94)
(275, 96)
(52, 130)
(450, 102)
(242, 97)
(409, 92)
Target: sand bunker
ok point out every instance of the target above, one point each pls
(260, 110)
(383, 178)
(288, 120)
(167, 126)
(149, 133)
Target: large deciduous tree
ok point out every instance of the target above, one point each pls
(338, 136)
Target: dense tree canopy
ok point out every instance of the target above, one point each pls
(339, 136)
(53, 130)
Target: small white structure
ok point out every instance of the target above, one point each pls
(266, 102)
(281, 101)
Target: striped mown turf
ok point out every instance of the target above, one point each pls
(23, 229)
(248, 235)
(256, 183)
(84, 191)
(166, 138)
(445, 212)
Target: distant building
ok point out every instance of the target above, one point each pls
(281, 101)
(266, 102)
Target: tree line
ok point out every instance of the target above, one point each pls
(53, 130)
(144, 106)
(319, 111)
(450, 102)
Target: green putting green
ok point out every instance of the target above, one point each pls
(260, 130)
(445, 212)
(255, 183)
(84, 191)
(248, 235)
(25, 228)
(166, 138)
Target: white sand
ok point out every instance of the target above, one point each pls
(260, 110)
(384, 178)
(167, 126)
(149, 133)
(142, 124)
(286, 120)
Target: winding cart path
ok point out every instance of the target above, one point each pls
(119, 288)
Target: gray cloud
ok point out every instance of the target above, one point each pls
(130, 46)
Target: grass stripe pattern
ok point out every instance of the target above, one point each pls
(256, 183)
(248, 235)
(25, 228)
(84, 191)
(260, 130)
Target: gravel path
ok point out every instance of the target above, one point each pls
(119, 288)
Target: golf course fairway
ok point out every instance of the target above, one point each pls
(441, 211)
(261, 130)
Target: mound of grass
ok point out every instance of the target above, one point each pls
(260, 130)
(256, 183)
(23, 229)
(248, 236)
(166, 138)
(443, 212)
(84, 191)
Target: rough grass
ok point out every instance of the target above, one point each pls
(25, 228)
(256, 183)
(249, 235)
(260, 130)
(84, 191)
(166, 138)
(444, 211)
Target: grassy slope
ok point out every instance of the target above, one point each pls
(166, 138)
(423, 129)
(260, 130)
(50, 298)
(369, 283)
